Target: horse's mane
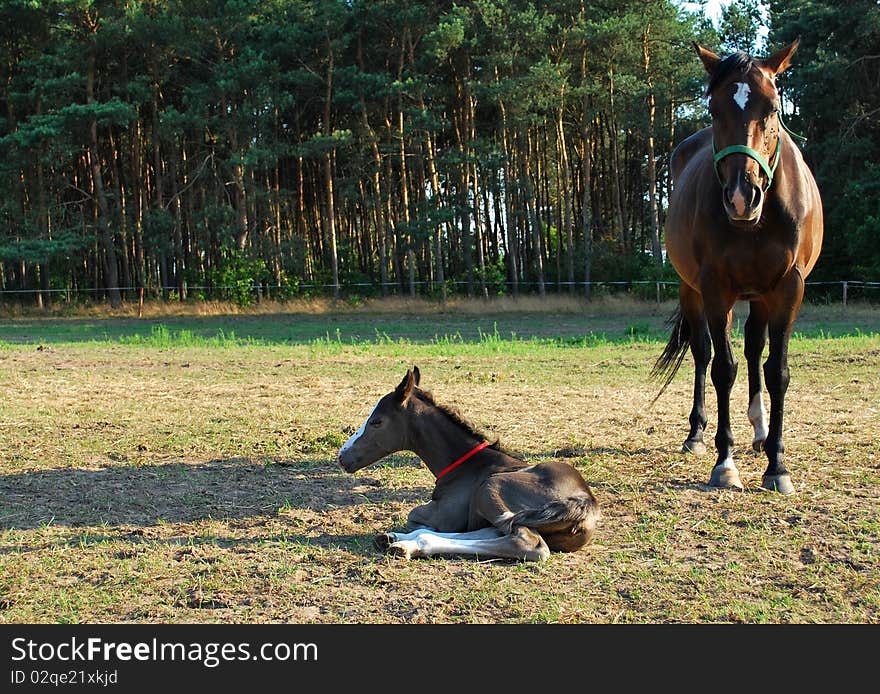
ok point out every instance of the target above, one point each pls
(456, 416)
(740, 61)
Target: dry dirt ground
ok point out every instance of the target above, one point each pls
(196, 483)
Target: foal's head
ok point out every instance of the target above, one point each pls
(386, 429)
(744, 105)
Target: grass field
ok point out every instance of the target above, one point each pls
(180, 468)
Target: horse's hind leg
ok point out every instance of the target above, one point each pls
(701, 350)
(521, 544)
(387, 540)
(755, 334)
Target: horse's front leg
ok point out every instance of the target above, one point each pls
(431, 516)
(755, 334)
(724, 367)
(783, 311)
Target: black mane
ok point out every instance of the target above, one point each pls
(457, 417)
(740, 61)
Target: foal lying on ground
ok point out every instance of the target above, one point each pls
(485, 502)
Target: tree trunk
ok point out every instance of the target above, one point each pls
(105, 237)
(653, 207)
(330, 221)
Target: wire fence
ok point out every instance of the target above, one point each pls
(830, 291)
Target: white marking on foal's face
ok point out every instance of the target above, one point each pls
(741, 97)
(360, 432)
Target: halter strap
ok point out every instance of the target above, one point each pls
(768, 169)
(473, 451)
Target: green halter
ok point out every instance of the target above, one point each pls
(766, 167)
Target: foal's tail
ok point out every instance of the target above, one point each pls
(580, 512)
(667, 364)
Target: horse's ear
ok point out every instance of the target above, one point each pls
(404, 390)
(417, 374)
(710, 59)
(780, 60)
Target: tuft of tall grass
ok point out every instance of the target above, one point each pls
(163, 337)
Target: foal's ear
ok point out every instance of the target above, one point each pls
(417, 374)
(710, 59)
(405, 389)
(780, 60)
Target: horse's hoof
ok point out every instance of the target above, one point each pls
(725, 477)
(404, 548)
(778, 483)
(695, 447)
(758, 445)
(383, 541)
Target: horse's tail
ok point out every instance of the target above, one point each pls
(580, 512)
(669, 361)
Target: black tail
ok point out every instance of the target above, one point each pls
(580, 510)
(668, 363)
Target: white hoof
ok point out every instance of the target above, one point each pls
(725, 476)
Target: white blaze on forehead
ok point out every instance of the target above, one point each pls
(741, 97)
(360, 432)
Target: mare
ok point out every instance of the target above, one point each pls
(744, 224)
(486, 502)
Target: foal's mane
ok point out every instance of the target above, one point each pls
(740, 61)
(456, 416)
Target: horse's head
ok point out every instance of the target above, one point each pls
(385, 431)
(744, 105)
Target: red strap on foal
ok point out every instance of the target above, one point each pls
(463, 458)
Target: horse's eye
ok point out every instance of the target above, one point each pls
(376, 423)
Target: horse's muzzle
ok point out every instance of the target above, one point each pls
(743, 202)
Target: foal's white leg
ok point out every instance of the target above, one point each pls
(487, 542)
(482, 534)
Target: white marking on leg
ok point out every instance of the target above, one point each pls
(727, 464)
(482, 534)
(758, 417)
(360, 432)
(725, 474)
(742, 95)
(475, 543)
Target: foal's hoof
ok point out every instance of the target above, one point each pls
(405, 548)
(778, 483)
(695, 447)
(725, 476)
(758, 445)
(383, 541)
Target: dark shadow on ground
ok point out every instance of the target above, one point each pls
(189, 544)
(233, 488)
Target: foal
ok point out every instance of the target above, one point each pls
(485, 502)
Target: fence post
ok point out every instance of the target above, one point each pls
(658, 293)
(845, 288)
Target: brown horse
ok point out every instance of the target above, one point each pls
(744, 223)
(485, 502)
